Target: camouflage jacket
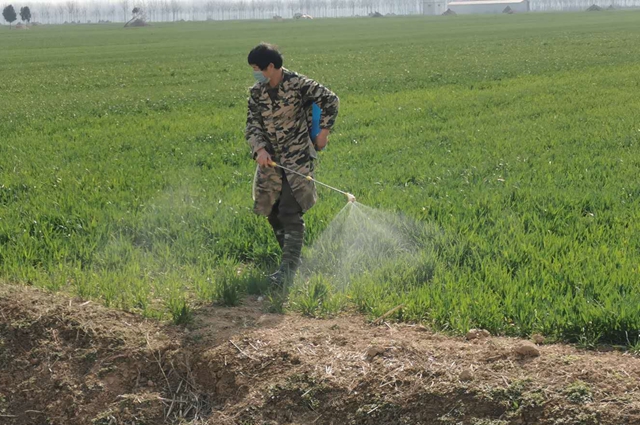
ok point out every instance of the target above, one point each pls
(279, 122)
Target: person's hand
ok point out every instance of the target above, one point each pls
(322, 139)
(263, 158)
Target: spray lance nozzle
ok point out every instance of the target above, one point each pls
(350, 197)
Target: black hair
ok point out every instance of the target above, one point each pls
(264, 54)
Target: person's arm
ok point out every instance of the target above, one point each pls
(329, 103)
(254, 133)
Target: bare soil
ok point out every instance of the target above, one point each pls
(69, 361)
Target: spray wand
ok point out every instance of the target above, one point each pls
(350, 197)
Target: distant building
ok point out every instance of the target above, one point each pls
(466, 7)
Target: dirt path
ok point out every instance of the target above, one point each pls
(67, 361)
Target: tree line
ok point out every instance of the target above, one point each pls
(95, 11)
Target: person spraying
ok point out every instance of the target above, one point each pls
(279, 122)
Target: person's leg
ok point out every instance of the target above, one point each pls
(290, 216)
(276, 224)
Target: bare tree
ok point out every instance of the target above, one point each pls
(352, 4)
(45, 12)
(152, 9)
(70, 9)
(194, 10)
(96, 11)
(323, 6)
(263, 8)
(225, 7)
(58, 12)
(209, 8)
(334, 7)
(242, 7)
(124, 7)
(166, 9)
(176, 7)
(278, 7)
(362, 4)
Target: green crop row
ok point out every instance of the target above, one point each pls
(511, 142)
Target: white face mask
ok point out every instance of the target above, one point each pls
(259, 76)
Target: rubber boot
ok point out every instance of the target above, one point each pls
(291, 258)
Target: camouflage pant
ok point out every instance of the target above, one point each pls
(286, 214)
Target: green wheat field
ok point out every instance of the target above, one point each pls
(125, 176)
